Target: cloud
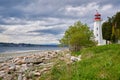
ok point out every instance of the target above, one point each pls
(106, 7)
(45, 21)
(2, 29)
(50, 30)
(81, 10)
(86, 9)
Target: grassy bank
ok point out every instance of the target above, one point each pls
(98, 63)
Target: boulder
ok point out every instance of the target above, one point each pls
(33, 60)
(4, 67)
(74, 59)
(19, 60)
(2, 73)
(12, 66)
(68, 56)
(20, 76)
(36, 73)
(23, 68)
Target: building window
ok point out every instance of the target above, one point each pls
(97, 28)
(97, 34)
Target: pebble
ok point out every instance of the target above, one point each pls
(2, 73)
(36, 73)
(12, 66)
(19, 65)
(23, 68)
(20, 76)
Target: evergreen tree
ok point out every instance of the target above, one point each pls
(111, 28)
(116, 22)
(107, 30)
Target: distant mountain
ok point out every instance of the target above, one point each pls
(24, 45)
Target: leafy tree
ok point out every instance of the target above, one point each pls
(78, 36)
(116, 22)
(111, 28)
(107, 30)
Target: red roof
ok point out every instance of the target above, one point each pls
(97, 16)
(96, 19)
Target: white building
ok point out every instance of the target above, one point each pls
(98, 29)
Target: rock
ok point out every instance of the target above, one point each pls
(20, 76)
(33, 60)
(14, 60)
(46, 60)
(30, 64)
(44, 70)
(19, 60)
(4, 59)
(24, 67)
(8, 77)
(18, 67)
(51, 55)
(5, 67)
(49, 52)
(68, 56)
(24, 78)
(3, 64)
(12, 66)
(56, 52)
(36, 73)
(61, 58)
(2, 73)
(74, 59)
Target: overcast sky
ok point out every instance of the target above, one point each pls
(45, 21)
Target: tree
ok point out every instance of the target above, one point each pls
(107, 29)
(111, 28)
(116, 22)
(78, 36)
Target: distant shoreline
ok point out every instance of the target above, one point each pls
(2, 44)
(10, 50)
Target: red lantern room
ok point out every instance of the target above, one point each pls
(97, 17)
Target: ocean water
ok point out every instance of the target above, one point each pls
(27, 49)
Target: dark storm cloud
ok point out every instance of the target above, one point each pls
(39, 9)
(53, 31)
(7, 8)
(11, 3)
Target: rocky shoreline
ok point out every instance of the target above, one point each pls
(25, 65)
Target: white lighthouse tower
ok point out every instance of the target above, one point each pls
(98, 29)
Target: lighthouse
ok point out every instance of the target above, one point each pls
(98, 29)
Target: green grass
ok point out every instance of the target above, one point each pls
(76, 53)
(98, 63)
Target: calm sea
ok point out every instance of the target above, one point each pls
(27, 49)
